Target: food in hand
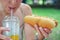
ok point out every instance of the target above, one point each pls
(44, 22)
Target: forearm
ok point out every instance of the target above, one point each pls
(29, 35)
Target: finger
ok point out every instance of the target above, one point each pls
(4, 37)
(43, 32)
(47, 30)
(38, 30)
(35, 26)
(39, 34)
(4, 29)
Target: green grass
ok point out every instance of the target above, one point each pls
(52, 13)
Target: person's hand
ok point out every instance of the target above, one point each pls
(30, 35)
(42, 32)
(2, 37)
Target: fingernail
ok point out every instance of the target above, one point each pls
(40, 28)
(45, 29)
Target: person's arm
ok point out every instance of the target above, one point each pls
(29, 31)
(29, 35)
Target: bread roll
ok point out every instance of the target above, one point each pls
(44, 22)
(32, 20)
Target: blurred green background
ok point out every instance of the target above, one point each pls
(52, 11)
